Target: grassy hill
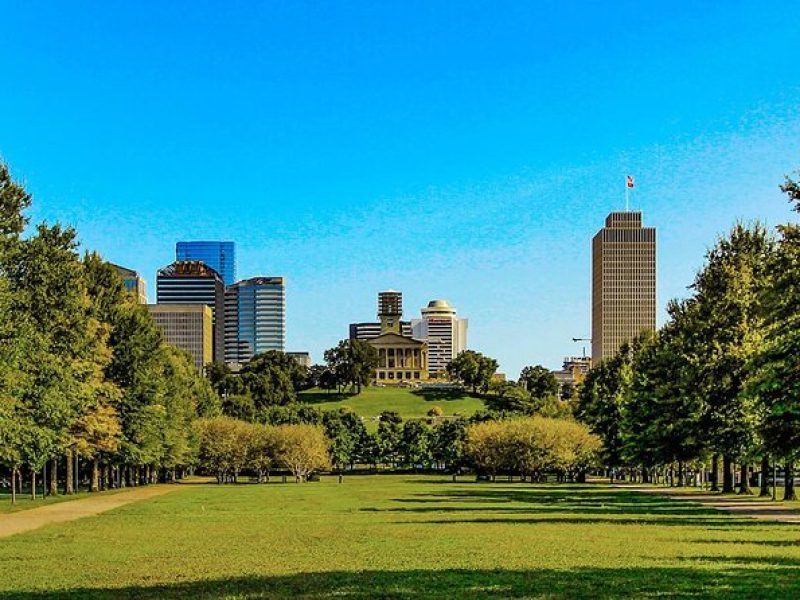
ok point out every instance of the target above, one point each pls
(411, 404)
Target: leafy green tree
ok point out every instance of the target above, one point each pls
(601, 401)
(239, 406)
(388, 440)
(137, 369)
(353, 362)
(473, 369)
(775, 380)
(343, 432)
(447, 444)
(538, 381)
(271, 378)
(728, 293)
(47, 282)
(263, 450)
(414, 445)
(304, 449)
(511, 398)
(663, 421)
(219, 375)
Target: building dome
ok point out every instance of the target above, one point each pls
(439, 304)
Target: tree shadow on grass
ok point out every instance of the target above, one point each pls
(509, 504)
(549, 499)
(323, 397)
(772, 543)
(443, 395)
(599, 583)
(723, 523)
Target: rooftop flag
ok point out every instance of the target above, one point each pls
(629, 181)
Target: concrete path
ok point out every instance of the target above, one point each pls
(744, 506)
(70, 510)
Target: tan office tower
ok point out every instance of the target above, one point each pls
(187, 326)
(623, 282)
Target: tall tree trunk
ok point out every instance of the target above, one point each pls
(715, 473)
(764, 492)
(788, 483)
(33, 484)
(727, 475)
(54, 477)
(681, 481)
(69, 483)
(744, 474)
(95, 487)
(13, 485)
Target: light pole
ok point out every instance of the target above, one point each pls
(578, 339)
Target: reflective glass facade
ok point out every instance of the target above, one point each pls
(220, 256)
(255, 318)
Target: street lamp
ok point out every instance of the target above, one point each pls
(578, 339)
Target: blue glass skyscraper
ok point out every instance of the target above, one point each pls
(255, 318)
(220, 256)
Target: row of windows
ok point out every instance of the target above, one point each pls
(398, 375)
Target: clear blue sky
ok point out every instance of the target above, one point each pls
(465, 151)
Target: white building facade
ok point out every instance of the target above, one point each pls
(444, 331)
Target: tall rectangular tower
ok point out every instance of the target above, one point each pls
(623, 283)
(194, 282)
(255, 318)
(187, 326)
(220, 256)
(445, 333)
(390, 310)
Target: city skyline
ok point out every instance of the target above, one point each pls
(413, 150)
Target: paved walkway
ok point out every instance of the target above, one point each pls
(745, 506)
(70, 510)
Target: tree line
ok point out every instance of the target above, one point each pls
(488, 442)
(84, 372)
(719, 384)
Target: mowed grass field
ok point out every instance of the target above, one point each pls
(411, 404)
(405, 537)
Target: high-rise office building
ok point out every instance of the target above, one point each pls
(187, 326)
(194, 282)
(255, 318)
(445, 333)
(133, 283)
(220, 256)
(623, 283)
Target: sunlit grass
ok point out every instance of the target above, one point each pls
(411, 404)
(404, 537)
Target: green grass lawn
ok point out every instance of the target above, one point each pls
(411, 404)
(392, 536)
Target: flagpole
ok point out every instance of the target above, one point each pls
(627, 190)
